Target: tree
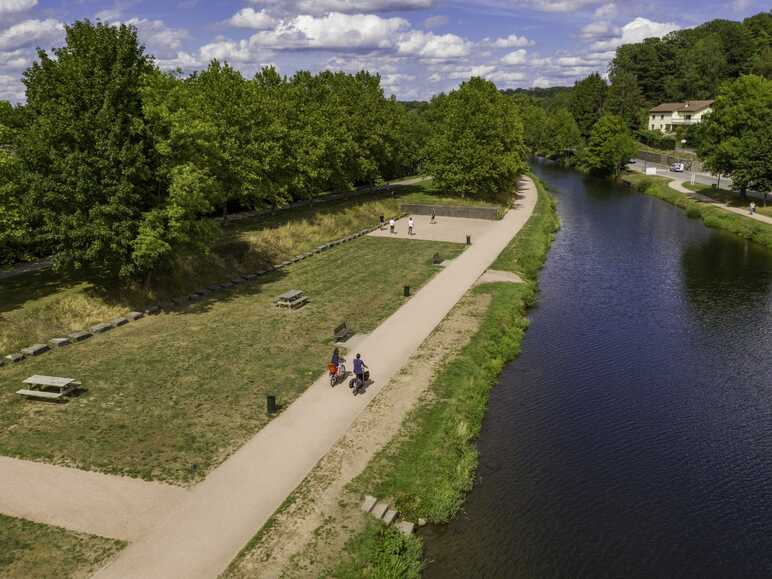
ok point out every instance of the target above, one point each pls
(564, 137)
(92, 163)
(476, 147)
(625, 99)
(609, 147)
(736, 135)
(587, 100)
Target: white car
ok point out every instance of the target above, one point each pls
(677, 167)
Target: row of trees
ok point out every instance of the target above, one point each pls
(114, 166)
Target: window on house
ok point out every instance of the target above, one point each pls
(688, 117)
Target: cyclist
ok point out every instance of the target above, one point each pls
(359, 371)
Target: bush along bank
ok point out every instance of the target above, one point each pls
(430, 466)
(712, 216)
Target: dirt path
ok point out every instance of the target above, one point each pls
(89, 502)
(219, 516)
(309, 534)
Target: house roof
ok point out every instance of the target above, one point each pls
(688, 106)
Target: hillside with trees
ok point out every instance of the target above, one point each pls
(691, 64)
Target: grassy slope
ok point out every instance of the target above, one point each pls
(430, 467)
(731, 198)
(171, 396)
(714, 217)
(35, 307)
(33, 550)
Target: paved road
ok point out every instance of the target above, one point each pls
(221, 514)
(679, 186)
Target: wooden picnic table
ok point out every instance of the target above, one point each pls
(292, 299)
(48, 387)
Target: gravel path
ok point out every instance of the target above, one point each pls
(219, 516)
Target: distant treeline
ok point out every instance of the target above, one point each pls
(113, 166)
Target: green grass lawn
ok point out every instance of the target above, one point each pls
(38, 306)
(32, 550)
(171, 396)
(731, 198)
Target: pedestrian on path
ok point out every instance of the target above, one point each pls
(411, 226)
(392, 225)
(433, 220)
(383, 222)
(753, 208)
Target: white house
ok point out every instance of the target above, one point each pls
(667, 116)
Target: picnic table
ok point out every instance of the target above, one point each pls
(48, 387)
(292, 299)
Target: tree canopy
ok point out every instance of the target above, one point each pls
(736, 138)
(476, 145)
(609, 147)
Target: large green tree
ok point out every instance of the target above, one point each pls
(610, 145)
(625, 99)
(587, 100)
(736, 137)
(476, 148)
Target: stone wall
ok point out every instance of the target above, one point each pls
(663, 159)
(491, 213)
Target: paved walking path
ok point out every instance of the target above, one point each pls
(109, 506)
(679, 186)
(26, 268)
(221, 514)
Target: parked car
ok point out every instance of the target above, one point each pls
(677, 167)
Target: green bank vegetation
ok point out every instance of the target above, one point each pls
(429, 468)
(711, 215)
(30, 549)
(169, 397)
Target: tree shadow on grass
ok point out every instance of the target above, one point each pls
(17, 290)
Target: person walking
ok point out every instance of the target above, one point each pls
(433, 220)
(392, 226)
(411, 226)
(383, 222)
(753, 208)
(359, 374)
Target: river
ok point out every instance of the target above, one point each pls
(633, 435)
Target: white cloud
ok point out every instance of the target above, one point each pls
(636, 31)
(160, 40)
(30, 32)
(428, 45)
(541, 82)
(551, 5)
(600, 29)
(182, 60)
(14, 6)
(333, 31)
(511, 41)
(251, 18)
(435, 21)
(606, 11)
(11, 88)
(15, 59)
(347, 6)
(515, 58)
(229, 50)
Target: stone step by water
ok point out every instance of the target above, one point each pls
(35, 350)
(134, 316)
(368, 503)
(59, 342)
(153, 310)
(389, 516)
(15, 357)
(117, 322)
(380, 509)
(405, 527)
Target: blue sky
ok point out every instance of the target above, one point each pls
(420, 47)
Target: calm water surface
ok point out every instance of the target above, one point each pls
(633, 436)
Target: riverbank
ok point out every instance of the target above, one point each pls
(428, 462)
(712, 215)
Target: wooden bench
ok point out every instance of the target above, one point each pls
(48, 387)
(292, 299)
(342, 333)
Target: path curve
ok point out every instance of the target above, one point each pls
(221, 514)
